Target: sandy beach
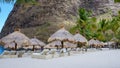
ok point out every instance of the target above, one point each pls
(99, 59)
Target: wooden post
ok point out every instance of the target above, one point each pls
(62, 44)
(33, 48)
(15, 45)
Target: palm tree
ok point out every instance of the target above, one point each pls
(85, 24)
(116, 26)
(102, 27)
(89, 27)
(109, 28)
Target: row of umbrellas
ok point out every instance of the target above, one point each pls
(60, 39)
(66, 39)
(21, 40)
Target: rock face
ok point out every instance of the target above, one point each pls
(44, 19)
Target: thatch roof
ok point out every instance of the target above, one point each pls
(79, 38)
(110, 42)
(36, 42)
(31, 47)
(69, 45)
(95, 42)
(17, 37)
(58, 43)
(92, 42)
(11, 45)
(61, 35)
(102, 43)
(28, 47)
(53, 44)
(99, 43)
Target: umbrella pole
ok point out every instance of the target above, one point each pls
(33, 48)
(42, 48)
(62, 44)
(15, 46)
(78, 45)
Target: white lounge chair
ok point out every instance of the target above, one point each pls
(1, 56)
(43, 55)
(20, 53)
(5, 54)
(9, 54)
(27, 53)
(69, 52)
(63, 52)
(54, 53)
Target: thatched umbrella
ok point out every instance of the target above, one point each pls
(92, 42)
(102, 44)
(62, 35)
(18, 38)
(79, 39)
(95, 43)
(70, 45)
(99, 44)
(36, 43)
(114, 39)
(54, 44)
(110, 42)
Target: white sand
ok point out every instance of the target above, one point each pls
(101, 59)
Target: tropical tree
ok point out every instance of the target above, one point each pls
(109, 28)
(85, 24)
(103, 30)
(116, 26)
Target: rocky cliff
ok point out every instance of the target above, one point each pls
(45, 18)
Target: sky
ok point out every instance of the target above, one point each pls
(5, 10)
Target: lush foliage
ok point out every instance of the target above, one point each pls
(116, 0)
(26, 1)
(103, 30)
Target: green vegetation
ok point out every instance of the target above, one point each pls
(26, 1)
(103, 30)
(116, 1)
